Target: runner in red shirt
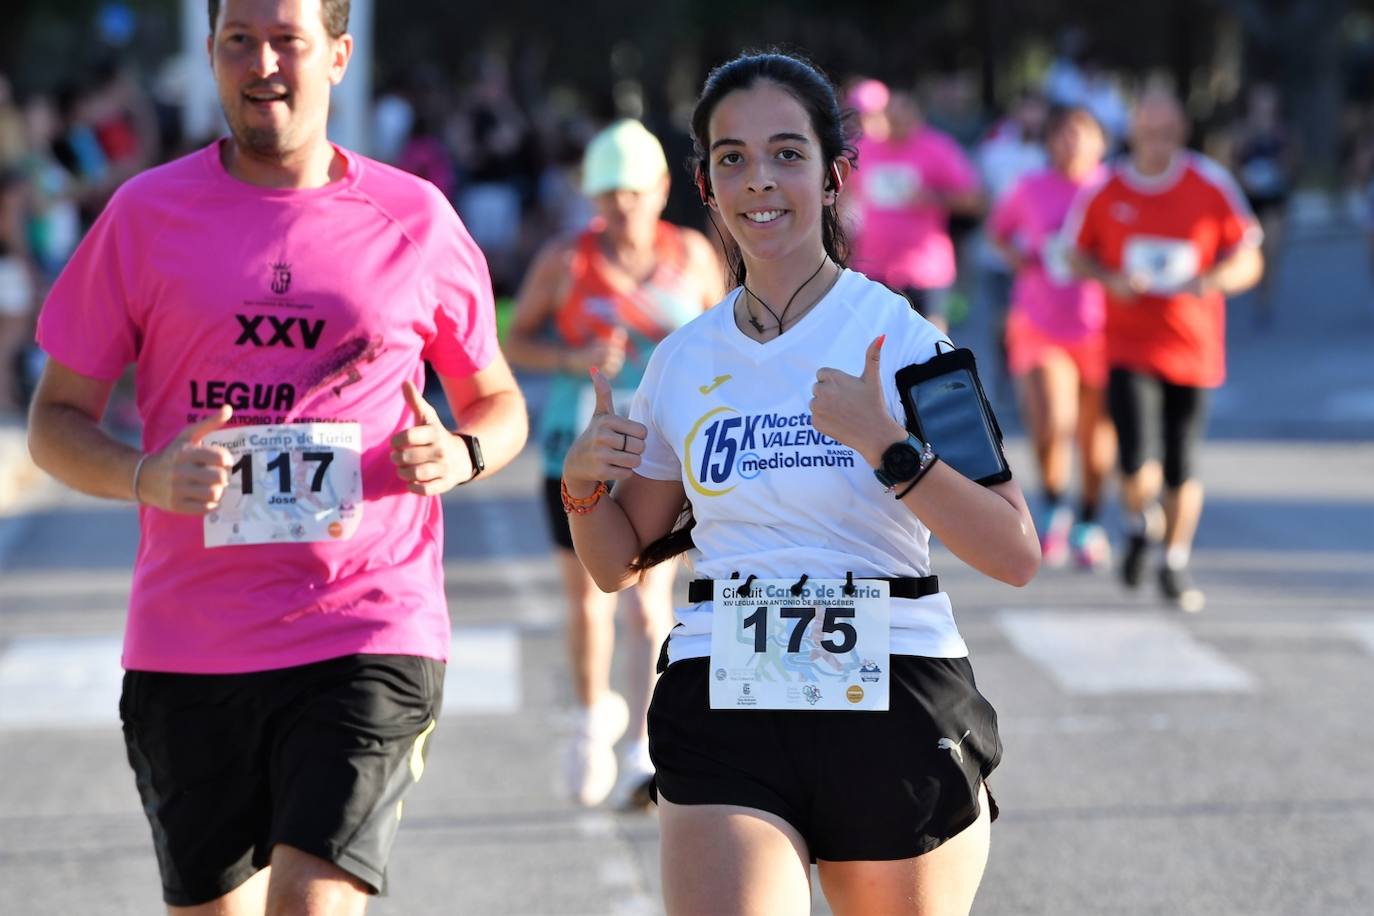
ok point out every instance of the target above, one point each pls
(1169, 236)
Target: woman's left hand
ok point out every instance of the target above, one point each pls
(852, 410)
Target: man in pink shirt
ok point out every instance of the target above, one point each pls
(911, 177)
(287, 628)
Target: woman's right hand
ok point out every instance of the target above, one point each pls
(610, 448)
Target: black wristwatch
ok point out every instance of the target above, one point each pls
(902, 461)
(474, 453)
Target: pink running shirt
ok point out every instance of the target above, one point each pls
(901, 242)
(1030, 217)
(289, 305)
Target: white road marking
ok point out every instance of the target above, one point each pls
(55, 682)
(60, 682)
(1364, 632)
(1120, 652)
(483, 676)
(528, 603)
(595, 825)
(617, 871)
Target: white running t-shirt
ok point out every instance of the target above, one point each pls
(772, 497)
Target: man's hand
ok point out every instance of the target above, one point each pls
(1126, 287)
(188, 477)
(430, 459)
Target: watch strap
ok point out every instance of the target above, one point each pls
(474, 454)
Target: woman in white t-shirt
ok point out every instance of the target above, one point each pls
(817, 702)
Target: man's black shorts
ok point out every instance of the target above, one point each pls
(316, 757)
(858, 786)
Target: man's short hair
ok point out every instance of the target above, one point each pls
(333, 12)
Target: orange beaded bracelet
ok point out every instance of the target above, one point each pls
(574, 505)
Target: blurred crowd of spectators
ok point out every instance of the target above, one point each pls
(510, 164)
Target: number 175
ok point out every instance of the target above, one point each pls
(832, 622)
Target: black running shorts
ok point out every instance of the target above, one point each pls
(856, 785)
(316, 757)
(1147, 411)
(558, 518)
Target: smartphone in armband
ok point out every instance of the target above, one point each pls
(945, 406)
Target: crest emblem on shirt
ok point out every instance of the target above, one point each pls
(281, 277)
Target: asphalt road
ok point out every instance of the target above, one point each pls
(1155, 764)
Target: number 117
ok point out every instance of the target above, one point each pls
(282, 465)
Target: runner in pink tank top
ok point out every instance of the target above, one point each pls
(1054, 337)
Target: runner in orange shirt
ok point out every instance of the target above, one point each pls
(604, 299)
(1169, 236)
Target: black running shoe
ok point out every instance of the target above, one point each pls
(1176, 585)
(1133, 559)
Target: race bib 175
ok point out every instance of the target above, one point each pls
(821, 649)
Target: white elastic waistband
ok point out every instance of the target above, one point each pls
(920, 626)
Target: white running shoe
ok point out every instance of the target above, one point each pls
(589, 766)
(631, 792)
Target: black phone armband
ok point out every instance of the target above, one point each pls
(945, 406)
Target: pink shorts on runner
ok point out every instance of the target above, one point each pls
(1028, 347)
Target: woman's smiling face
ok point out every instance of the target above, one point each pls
(767, 173)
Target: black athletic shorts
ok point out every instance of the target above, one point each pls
(1147, 410)
(858, 786)
(558, 519)
(316, 757)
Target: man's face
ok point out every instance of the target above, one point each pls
(274, 66)
(1157, 132)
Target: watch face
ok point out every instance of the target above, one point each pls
(901, 461)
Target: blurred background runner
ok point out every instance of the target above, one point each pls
(602, 299)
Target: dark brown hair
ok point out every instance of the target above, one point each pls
(834, 129)
(815, 93)
(333, 12)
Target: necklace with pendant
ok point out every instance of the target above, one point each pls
(758, 326)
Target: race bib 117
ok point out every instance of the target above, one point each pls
(291, 483)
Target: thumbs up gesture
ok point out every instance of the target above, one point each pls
(187, 476)
(610, 448)
(430, 459)
(852, 410)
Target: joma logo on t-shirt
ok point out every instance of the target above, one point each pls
(281, 331)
